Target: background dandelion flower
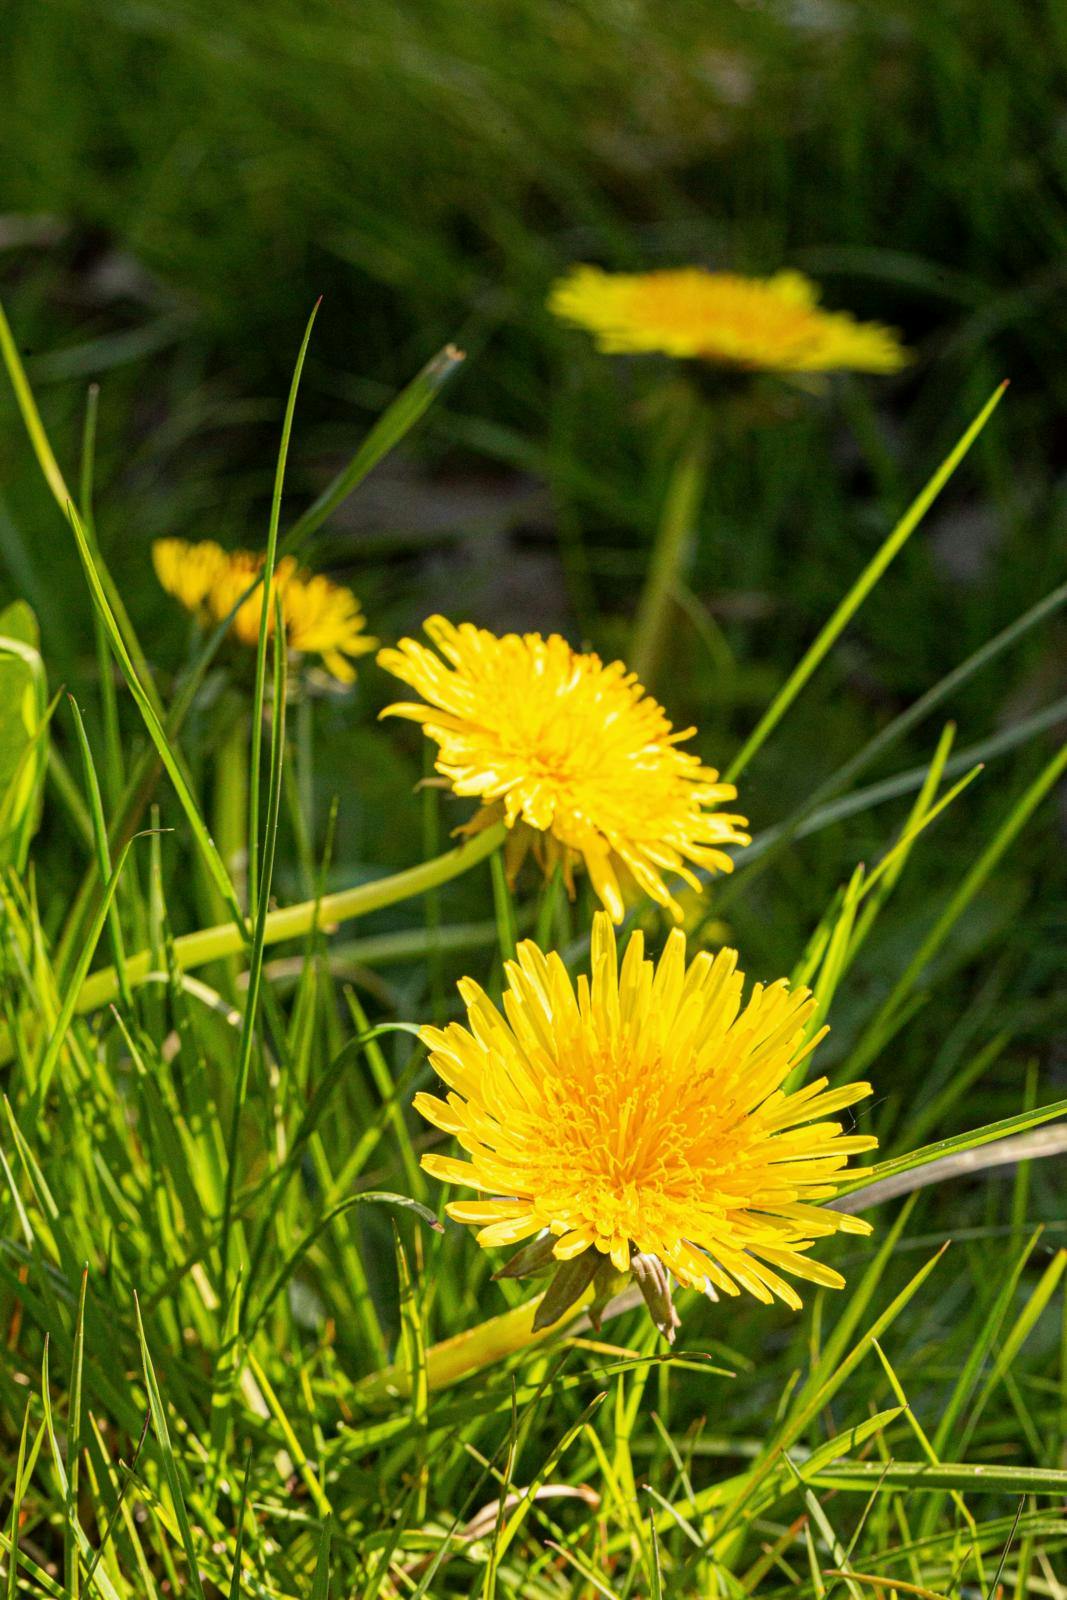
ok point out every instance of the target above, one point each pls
(321, 617)
(772, 324)
(576, 758)
(187, 571)
(643, 1113)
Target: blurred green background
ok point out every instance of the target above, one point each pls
(181, 180)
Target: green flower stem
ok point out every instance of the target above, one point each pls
(292, 922)
(669, 565)
(471, 1351)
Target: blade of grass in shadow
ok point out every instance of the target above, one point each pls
(320, 1586)
(889, 789)
(859, 591)
(18, 1489)
(74, 1444)
(239, 1538)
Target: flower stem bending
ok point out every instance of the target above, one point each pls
(292, 922)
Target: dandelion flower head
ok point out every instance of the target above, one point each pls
(321, 617)
(187, 571)
(575, 757)
(643, 1112)
(770, 324)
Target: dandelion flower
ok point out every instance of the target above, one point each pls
(189, 571)
(321, 618)
(641, 1115)
(578, 761)
(325, 619)
(769, 324)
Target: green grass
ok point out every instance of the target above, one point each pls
(208, 1259)
(216, 1236)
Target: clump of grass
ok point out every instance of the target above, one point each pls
(229, 1306)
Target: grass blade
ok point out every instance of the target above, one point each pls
(859, 591)
(157, 734)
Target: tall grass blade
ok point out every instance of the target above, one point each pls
(846, 610)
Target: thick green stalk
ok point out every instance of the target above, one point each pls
(293, 922)
(471, 1351)
(670, 553)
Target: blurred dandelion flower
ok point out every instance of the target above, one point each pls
(325, 619)
(579, 762)
(641, 1120)
(321, 618)
(760, 324)
(187, 571)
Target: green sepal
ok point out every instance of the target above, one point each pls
(654, 1283)
(569, 1284)
(530, 1260)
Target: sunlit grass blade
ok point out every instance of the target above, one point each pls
(255, 969)
(882, 1024)
(169, 1460)
(156, 731)
(64, 500)
(885, 1173)
(103, 853)
(267, 607)
(925, 1476)
(859, 591)
(58, 1038)
(397, 420)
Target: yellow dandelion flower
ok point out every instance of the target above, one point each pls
(574, 756)
(189, 571)
(771, 324)
(241, 570)
(641, 1115)
(325, 619)
(321, 618)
